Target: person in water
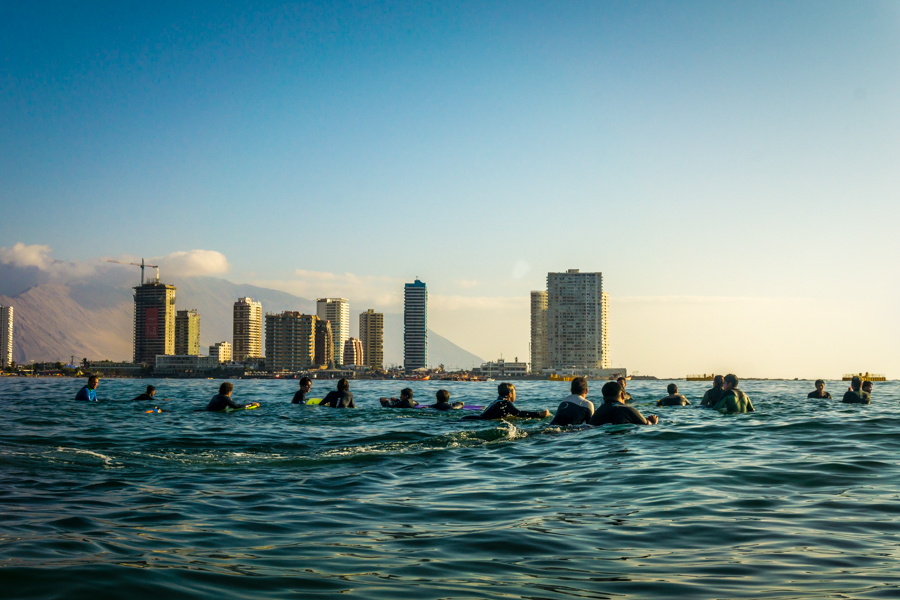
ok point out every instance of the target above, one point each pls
(624, 383)
(674, 398)
(148, 395)
(223, 401)
(443, 402)
(340, 398)
(503, 407)
(733, 399)
(305, 386)
(715, 393)
(867, 387)
(405, 400)
(819, 392)
(614, 412)
(575, 409)
(89, 392)
(855, 394)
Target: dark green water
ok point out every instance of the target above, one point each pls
(798, 500)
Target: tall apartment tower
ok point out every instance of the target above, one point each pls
(576, 321)
(371, 334)
(6, 336)
(221, 351)
(538, 331)
(324, 356)
(187, 332)
(247, 331)
(290, 341)
(415, 326)
(353, 352)
(336, 310)
(154, 321)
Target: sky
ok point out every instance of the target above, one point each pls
(731, 168)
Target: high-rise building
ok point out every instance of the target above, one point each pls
(538, 331)
(336, 310)
(6, 336)
(371, 334)
(415, 326)
(576, 321)
(324, 344)
(154, 321)
(187, 332)
(221, 351)
(353, 352)
(290, 341)
(247, 330)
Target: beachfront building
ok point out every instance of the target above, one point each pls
(336, 310)
(154, 321)
(186, 365)
(538, 331)
(577, 319)
(6, 336)
(353, 352)
(221, 351)
(415, 326)
(501, 368)
(290, 341)
(247, 330)
(187, 332)
(371, 334)
(324, 344)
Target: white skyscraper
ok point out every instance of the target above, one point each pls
(577, 321)
(6, 336)
(336, 310)
(247, 330)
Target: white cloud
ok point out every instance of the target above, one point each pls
(467, 283)
(367, 291)
(480, 303)
(193, 263)
(20, 255)
(520, 269)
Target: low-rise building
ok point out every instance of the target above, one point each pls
(221, 351)
(353, 352)
(108, 368)
(184, 364)
(501, 368)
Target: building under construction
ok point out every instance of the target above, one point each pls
(154, 321)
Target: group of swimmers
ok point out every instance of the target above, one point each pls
(576, 409)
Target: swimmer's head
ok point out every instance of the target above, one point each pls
(820, 385)
(732, 380)
(226, 388)
(672, 388)
(579, 386)
(343, 385)
(93, 381)
(305, 383)
(612, 391)
(622, 381)
(151, 390)
(855, 384)
(443, 396)
(867, 386)
(718, 380)
(505, 390)
(406, 394)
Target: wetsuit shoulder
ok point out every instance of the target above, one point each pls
(299, 398)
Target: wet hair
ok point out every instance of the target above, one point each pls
(225, 387)
(611, 391)
(732, 379)
(868, 384)
(672, 388)
(818, 381)
(305, 380)
(505, 389)
(406, 392)
(579, 386)
(621, 379)
(718, 380)
(443, 396)
(343, 385)
(150, 388)
(93, 378)
(855, 384)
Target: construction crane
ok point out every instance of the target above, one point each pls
(141, 264)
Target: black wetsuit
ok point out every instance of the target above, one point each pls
(142, 398)
(854, 397)
(628, 397)
(815, 394)
(299, 398)
(574, 410)
(337, 399)
(678, 400)
(616, 413)
(501, 408)
(447, 406)
(402, 403)
(712, 396)
(221, 402)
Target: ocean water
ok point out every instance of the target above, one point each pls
(798, 500)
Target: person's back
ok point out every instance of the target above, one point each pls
(223, 402)
(503, 407)
(404, 401)
(575, 409)
(713, 394)
(674, 398)
(614, 411)
(734, 400)
(855, 395)
(443, 402)
(148, 395)
(339, 398)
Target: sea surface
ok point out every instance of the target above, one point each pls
(798, 500)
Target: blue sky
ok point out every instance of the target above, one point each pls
(698, 150)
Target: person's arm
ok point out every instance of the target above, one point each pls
(490, 413)
(686, 401)
(526, 414)
(635, 416)
(750, 405)
(350, 404)
(232, 404)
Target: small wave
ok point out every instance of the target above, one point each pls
(106, 459)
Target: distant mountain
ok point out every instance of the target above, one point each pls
(93, 318)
